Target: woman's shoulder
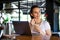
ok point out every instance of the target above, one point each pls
(44, 21)
(46, 24)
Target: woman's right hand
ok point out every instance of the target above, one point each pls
(32, 22)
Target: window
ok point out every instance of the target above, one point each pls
(19, 11)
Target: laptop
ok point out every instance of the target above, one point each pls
(22, 27)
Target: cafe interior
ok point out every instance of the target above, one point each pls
(18, 11)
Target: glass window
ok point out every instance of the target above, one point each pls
(20, 10)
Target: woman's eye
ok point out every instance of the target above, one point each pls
(35, 12)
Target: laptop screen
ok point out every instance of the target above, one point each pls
(22, 27)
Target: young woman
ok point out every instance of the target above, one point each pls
(37, 25)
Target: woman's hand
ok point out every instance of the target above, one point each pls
(36, 27)
(32, 22)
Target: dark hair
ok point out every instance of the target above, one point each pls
(31, 10)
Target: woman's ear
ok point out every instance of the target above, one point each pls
(31, 14)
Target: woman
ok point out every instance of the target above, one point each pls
(37, 25)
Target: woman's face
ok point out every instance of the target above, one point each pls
(36, 13)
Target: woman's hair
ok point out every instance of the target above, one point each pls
(31, 10)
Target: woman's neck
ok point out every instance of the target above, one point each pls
(38, 20)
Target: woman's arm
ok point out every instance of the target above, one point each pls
(37, 28)
(48, 29)
(48, 32)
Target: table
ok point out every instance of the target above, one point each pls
(39, 37)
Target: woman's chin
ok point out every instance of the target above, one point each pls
(37, 17)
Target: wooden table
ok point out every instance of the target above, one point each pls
(37, 38)
(33, 38)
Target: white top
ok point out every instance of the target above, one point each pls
(43, 26)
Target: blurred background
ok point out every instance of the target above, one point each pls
(18, 10)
